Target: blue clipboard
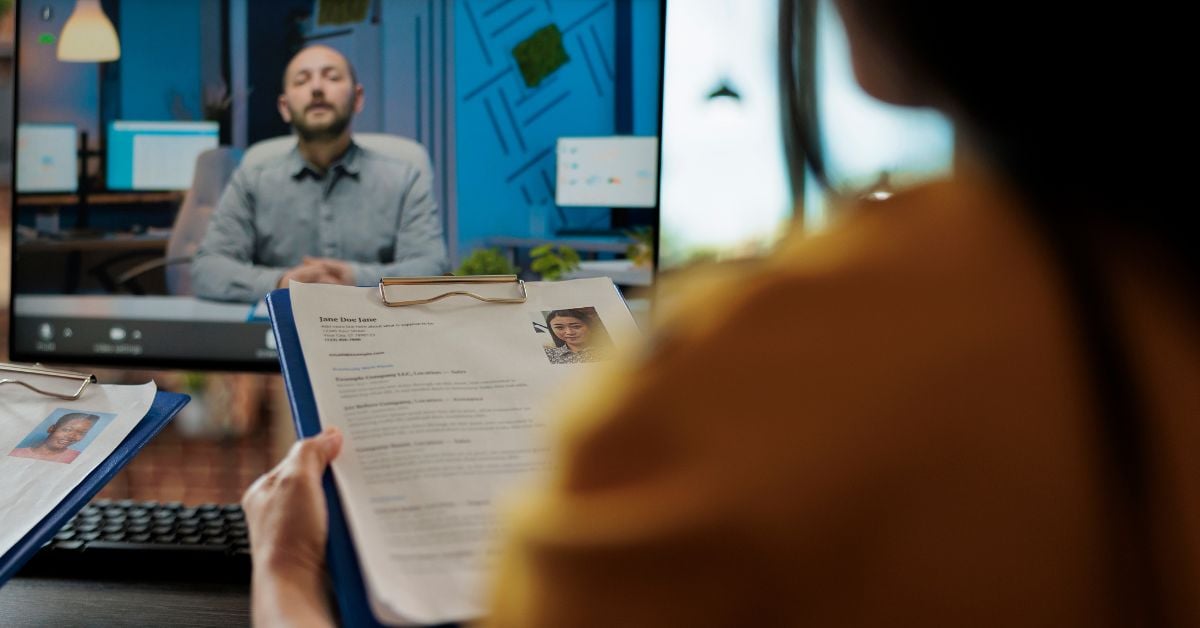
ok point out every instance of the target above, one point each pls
(165, 406)
(340, 555)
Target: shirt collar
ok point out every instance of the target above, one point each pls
(347, 163)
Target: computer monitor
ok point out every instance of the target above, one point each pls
(725, 190)
(607, 172)
(156, 155)
(48, 159)
(486, 88)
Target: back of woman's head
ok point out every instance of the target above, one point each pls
(1076, 106)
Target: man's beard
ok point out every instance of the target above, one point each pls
(330, 131)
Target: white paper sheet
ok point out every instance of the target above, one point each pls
(41, 462)
(441, 406)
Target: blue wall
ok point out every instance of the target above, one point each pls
(160, 60)
(506, 132)
(53, 90)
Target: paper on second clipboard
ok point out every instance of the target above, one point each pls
(442, 410)
(38, 435)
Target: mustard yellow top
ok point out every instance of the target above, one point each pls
(885, 425)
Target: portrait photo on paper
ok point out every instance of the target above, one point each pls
(572, 335)
(62, 435)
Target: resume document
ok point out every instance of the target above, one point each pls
(443, 407)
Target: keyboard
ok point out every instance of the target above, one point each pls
(146, 540)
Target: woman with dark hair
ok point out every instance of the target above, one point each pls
(577, 336)
(973, 404)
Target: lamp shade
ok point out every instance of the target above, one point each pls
(88, 35)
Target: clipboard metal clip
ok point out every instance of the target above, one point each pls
(83, 378)
(471, 279)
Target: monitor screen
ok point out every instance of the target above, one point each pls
(725, 190)
(107, 273)
(47, 158)
(156, 155)
(607, 172)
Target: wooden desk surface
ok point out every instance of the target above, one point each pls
(55, 602)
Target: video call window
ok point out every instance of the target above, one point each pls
(122, 164)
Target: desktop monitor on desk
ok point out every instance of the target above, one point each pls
(607, 171)
(158, 155)
(48, 158)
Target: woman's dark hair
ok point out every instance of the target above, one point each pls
(1073, 107)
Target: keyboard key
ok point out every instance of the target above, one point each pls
(65, 535)
(139, 538)
(68, 545)
(190, 540)
(89, 536)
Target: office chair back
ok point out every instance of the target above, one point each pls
(214, 168)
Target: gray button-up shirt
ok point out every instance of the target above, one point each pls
(374, 212)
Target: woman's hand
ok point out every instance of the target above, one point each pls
(286, 516)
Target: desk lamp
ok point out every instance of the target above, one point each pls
(88, 37)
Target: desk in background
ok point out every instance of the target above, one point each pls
(122, 230)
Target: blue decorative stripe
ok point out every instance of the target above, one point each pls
(525, 193)
(549, 184)
(497, 7)
(600, 7)
(417, 88)
(550, 105)
(509, 24)
(432, 97)
(512, 120)
(487, 56)
(486, 84)
(529, 164)
(600, 52)
(495, 125)
(591, 67)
